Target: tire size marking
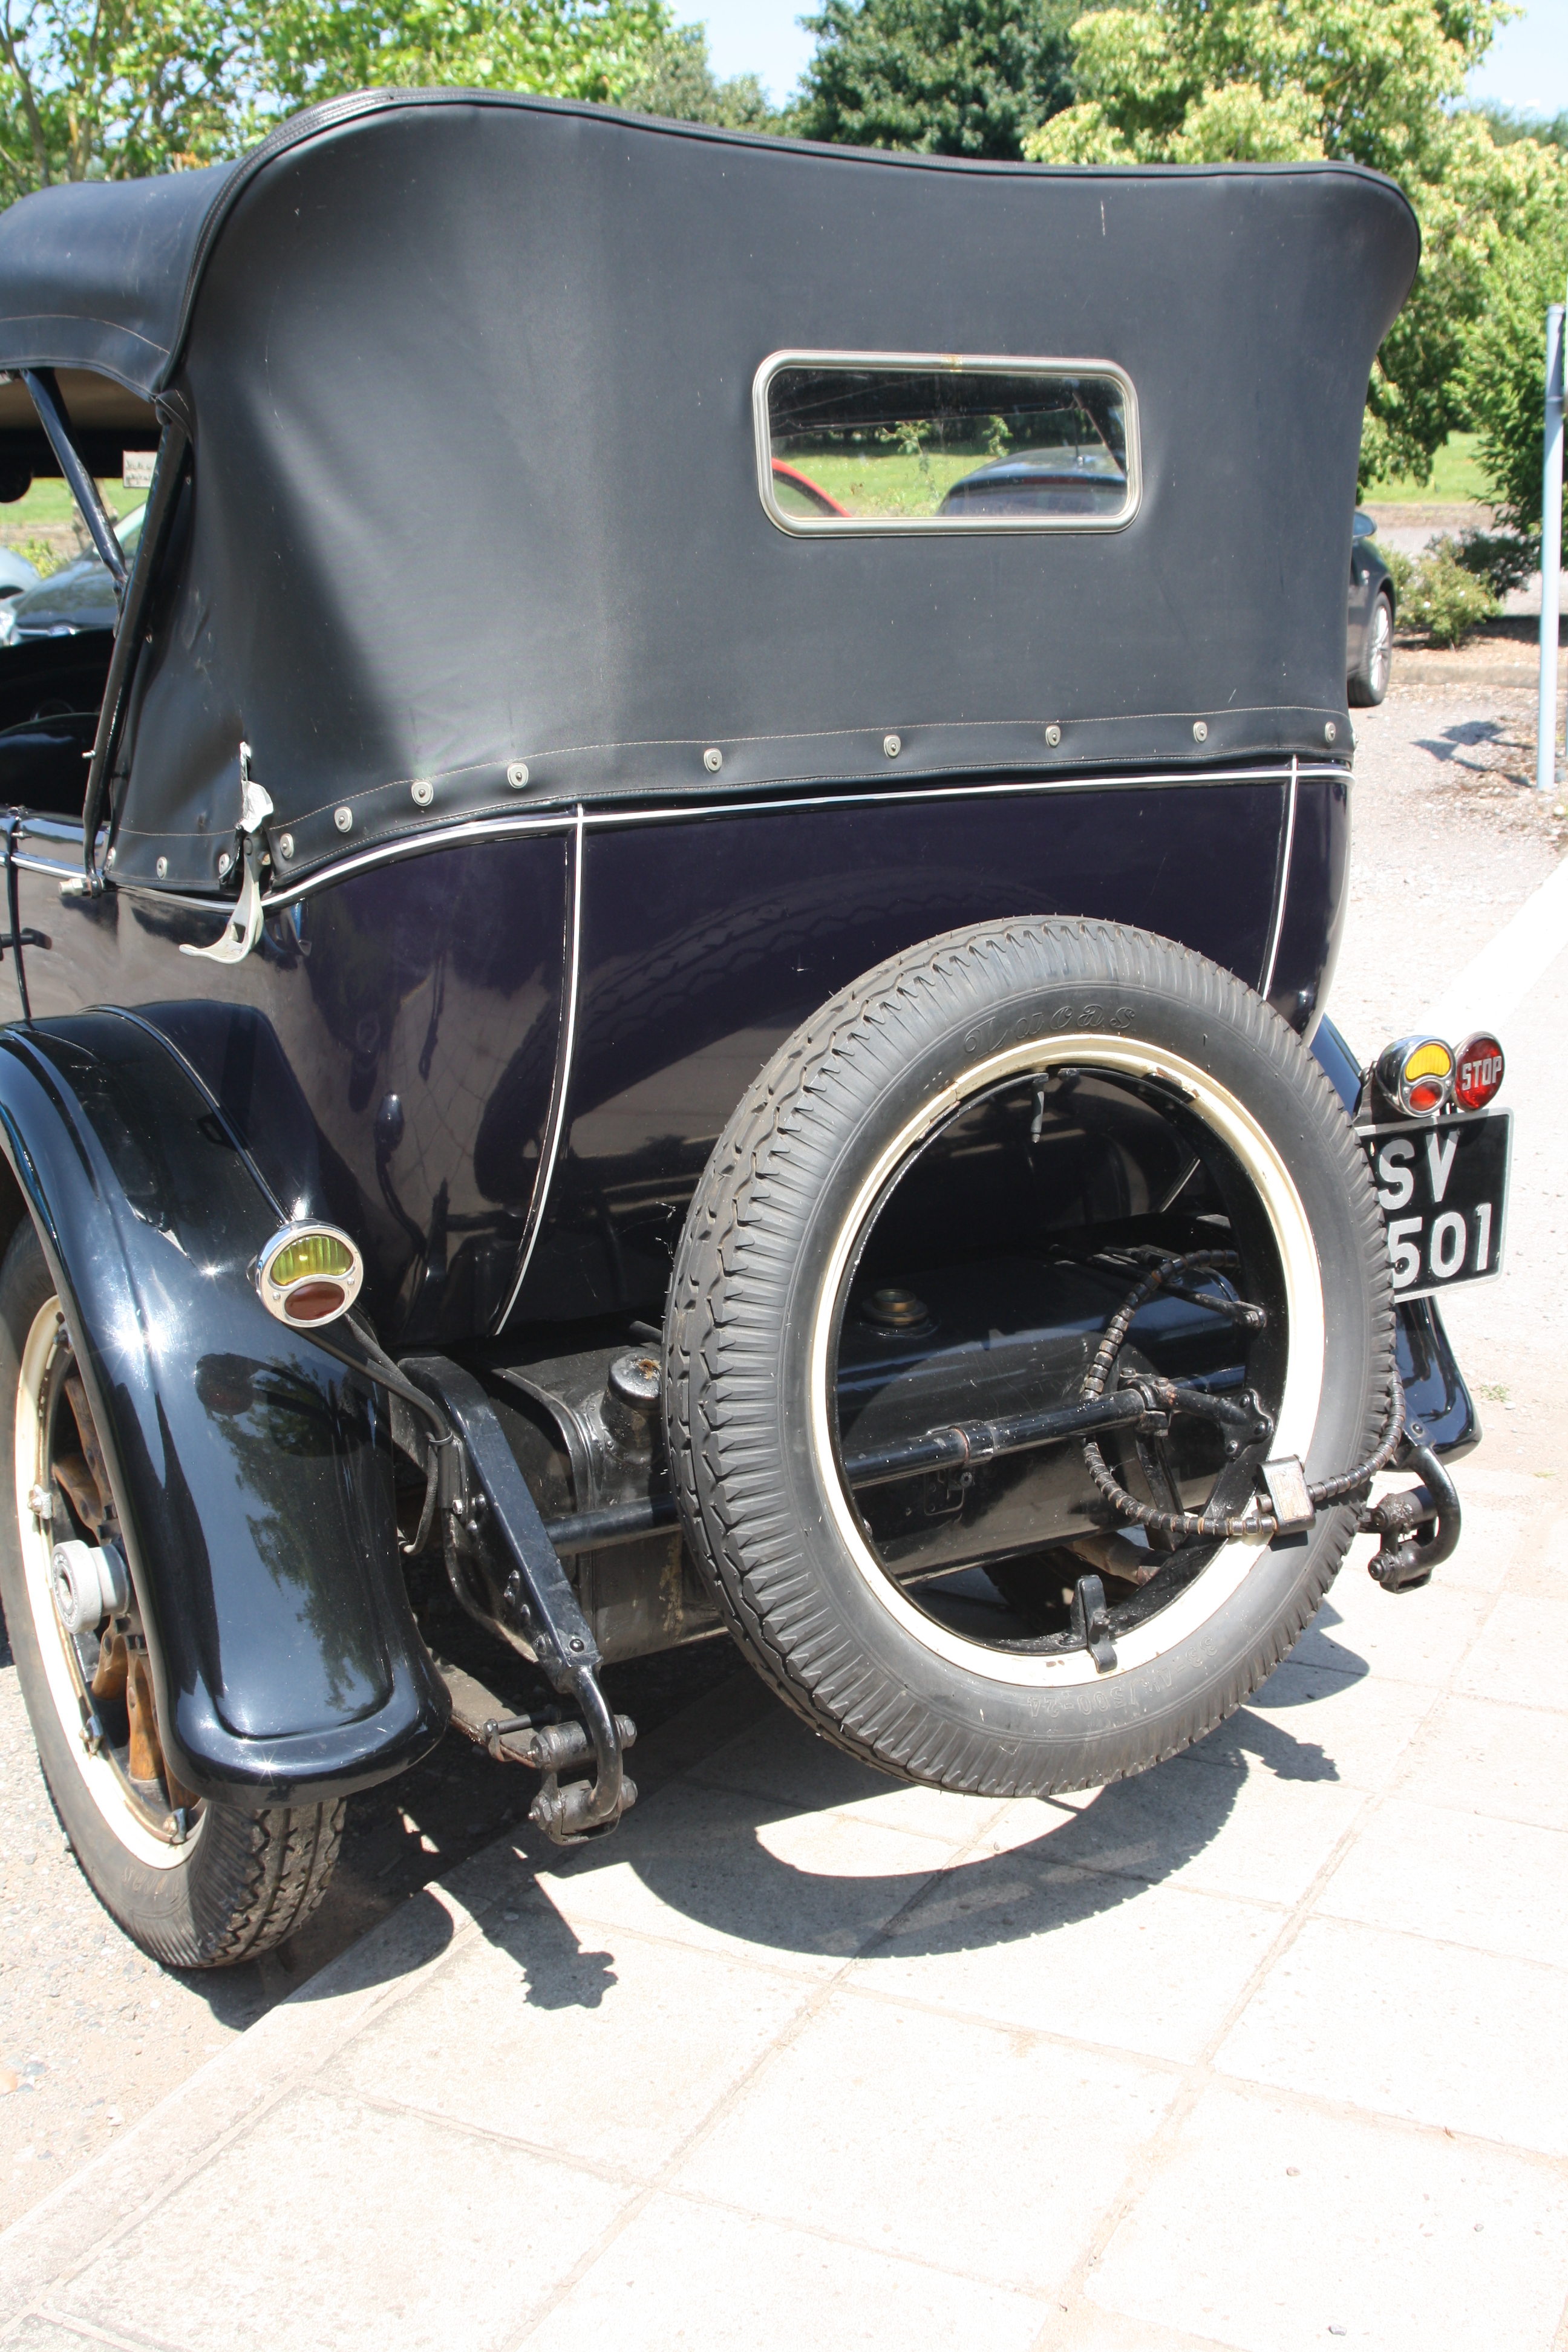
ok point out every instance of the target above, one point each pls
(1443, 1189)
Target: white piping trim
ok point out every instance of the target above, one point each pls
(600, 819)
(563, 1082)
(1284, 886)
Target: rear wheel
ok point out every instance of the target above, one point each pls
(197, 1882)
(925, 1215)
(1368, 682)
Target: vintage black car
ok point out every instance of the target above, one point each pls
(688, 1034)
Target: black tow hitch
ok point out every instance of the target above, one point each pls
(1405, 1557)
(481, 1474)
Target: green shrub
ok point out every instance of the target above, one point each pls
(41, 553)
(1444, 598)
(1503, 558)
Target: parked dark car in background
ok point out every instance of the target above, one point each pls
(79, 595)
(1373, 607)
(751, 1063)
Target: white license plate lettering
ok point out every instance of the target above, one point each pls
(1443, 1190)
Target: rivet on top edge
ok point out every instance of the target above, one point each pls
(162, 868)
(1053, 736)
(1329, 732)
(285, 844)
(517, 774)
(343, 818)
(712, 760)
(424, 793)
(1200, 730)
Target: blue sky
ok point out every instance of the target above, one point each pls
(1528, 67)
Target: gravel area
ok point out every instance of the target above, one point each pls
(1450, 837)
(1449, 840)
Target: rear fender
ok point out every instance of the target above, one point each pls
(252, 1473)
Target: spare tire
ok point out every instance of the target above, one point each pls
(767, 1265)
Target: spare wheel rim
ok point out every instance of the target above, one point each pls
(1233, 1561)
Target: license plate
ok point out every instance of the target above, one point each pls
(1443, 1187)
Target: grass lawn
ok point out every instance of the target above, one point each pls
(1456, 478)
(49, 501)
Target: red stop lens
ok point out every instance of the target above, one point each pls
(1426, 1095)
(313, 1302)
(1478, 1072)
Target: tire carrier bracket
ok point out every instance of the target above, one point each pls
(543, 1605)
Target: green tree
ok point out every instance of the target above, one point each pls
(675, 79)
(938, 76)
(314, 49)
(1503, 377)
(1505, 124)
(1365, 81)
(112, 88)
(116, 89)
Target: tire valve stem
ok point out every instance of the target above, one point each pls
(91, 1729)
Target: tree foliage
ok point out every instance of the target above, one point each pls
(114, 89)
(675, 79)
(1503, 373)
(308, 50)
(938, 76)
(1365, 81)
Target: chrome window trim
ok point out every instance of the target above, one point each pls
(940, 526)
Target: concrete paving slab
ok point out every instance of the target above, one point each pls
(1498, 1886)
(742, 1875)
(1476, 1755)
(1308, 1723)
(1267, 1845)
(1407, 1637)
(1493, 1540)
(1147, 1969)
(779, 1758)
(1401, 2026)
(868, 2122)
(504, 2037)
(1522, 1656)
(43, 2334)
(686, 2277)
(1272, 2225)
(334, 2224)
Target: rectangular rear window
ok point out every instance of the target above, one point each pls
(859, 441)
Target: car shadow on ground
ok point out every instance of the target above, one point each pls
(748, 1834)
(752, 1851)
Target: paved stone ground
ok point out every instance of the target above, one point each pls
(1262, 2047)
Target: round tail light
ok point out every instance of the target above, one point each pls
(1478, 1071)
(1418, 1073)
(308, 1274)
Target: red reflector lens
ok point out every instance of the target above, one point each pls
(313, 1302)
(1478, 1072)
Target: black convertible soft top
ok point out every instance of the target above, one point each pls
(475, 482)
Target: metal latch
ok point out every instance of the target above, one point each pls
(243, 928)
